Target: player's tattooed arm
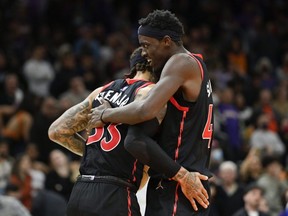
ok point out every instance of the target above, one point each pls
(64, 130)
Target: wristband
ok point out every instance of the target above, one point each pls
(101, 117)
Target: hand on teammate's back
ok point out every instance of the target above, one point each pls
(192, 187)
(96, 114)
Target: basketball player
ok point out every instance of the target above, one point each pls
(110, 176)
(187, 129)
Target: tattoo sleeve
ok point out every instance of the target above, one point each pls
(64, 130)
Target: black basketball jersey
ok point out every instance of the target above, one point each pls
(187, 129)
(104, 151)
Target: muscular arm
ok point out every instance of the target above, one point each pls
(146, 150)
(64, 130)
(178, 72)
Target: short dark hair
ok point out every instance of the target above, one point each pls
(253, 186)
(163, 19)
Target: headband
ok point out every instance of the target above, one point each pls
(137, 58)
(158, 33)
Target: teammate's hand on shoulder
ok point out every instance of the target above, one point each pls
(96, 114)
(192, 187)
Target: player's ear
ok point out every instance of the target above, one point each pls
(167, 40)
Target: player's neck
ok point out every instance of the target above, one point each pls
(143, 76)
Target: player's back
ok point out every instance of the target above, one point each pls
(105, 154)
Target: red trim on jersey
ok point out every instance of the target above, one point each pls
(199, 64)
(131, 81)
(180, 135)
(185, 110)
(105, 86)
(177, 105)
(129, 202)
(198, 55)
(134, 170)
(175, 200)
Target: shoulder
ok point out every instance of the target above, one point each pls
(183, 59)
(93, 94)
(143, 92)
(182, 62)
(147, 88)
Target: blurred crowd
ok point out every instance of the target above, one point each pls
(54, 53)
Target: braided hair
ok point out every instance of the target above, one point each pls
(138, 63)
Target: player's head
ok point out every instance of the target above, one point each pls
(138, 64)
(158, 34)
(161, 23)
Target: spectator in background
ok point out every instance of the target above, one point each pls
(10, 205)
(245, 112)
(86, 42)
(90, 71)
(264, 69)
(237, 58)
(221, 75)
(251, 167)
(17, 129)
(217, 156)
(11, 93)
(76, 93)
(38, 72)
(265, 106)
(43, 118)
(10, 97)
(118, 66)
(21, 178)
(229, 193)
(28, 180)
(59, 179)
(282, 70)
(273, 183)
(33, 152)
(252, 198)
(280, 102)
(266, 141)
(48, 203)
(6, 162)
(67, 68)
(264, 206)
(230, 125)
